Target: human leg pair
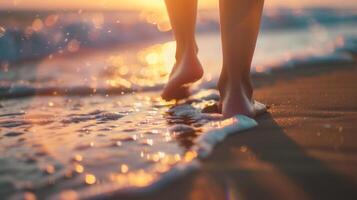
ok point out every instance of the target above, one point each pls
(240, 20)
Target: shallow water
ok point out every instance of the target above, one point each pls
(99, 145)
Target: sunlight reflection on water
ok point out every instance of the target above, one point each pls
(131, 141)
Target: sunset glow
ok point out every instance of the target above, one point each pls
(156, 4)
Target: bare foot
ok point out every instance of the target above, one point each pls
(246, 81)
(222, 88)
(187, 71)
(235, 101)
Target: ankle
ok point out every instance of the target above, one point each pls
(189, 49)
(248, 86)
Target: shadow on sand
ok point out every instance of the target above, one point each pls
(279, 169)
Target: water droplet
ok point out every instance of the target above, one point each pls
(78, 158)
(78, 168)
(90, 179)
(124, 168)
(2, 31)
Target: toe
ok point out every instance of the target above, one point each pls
(259, 108)
(180, 93)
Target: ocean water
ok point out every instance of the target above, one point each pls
(80, 112)
(118, 52)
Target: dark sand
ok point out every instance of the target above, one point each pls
(304, 148)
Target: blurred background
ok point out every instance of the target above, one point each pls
(129, 44)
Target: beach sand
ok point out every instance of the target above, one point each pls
(304, 148)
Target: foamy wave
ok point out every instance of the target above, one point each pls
(310, 60)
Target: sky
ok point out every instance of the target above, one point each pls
(155, 4)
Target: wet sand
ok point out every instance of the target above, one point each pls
(304, 148)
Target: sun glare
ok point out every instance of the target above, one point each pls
(152, 4)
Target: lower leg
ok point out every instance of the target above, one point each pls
(240, 20)
(187, 68)
(182, 16)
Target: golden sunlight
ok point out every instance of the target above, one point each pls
(153, 4)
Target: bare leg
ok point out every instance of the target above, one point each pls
(187, 68)
(240, 20)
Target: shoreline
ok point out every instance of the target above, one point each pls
(304, 148)
(259, 79)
